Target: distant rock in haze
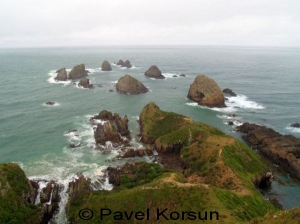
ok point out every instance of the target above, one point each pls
(61, 75)
(205, 91)
(106, 66)
(127, 64)
(121, 63)
(124, 64)
(85, 83)
(154, 72)
(229, 91)
(129, 85)
(295, 125)
(78, 72)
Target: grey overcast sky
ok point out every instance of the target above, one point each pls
(42, 23)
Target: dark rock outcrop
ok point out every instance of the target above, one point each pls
(295, 125)
(230, 123)
(154, 72)
(50, 103)
(105, 66)
(85, 83)
(121, 63)
(205, 91)
(129, 85)
(78, 72)
(79, 186)
(264, 182)
(229, 92)
(112, 129)
(106, 132)
(50, 198)
(127, 64)
(61, 75)
(283, 150)
(183, 75)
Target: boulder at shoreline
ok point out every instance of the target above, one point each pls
(206, 92)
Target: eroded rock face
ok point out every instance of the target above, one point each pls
(283, 150)
(229, 92)
(154, 72)
(61, 75)
(85, 83)
(206, 92)
(78, 72)
(105, 66)
(113, 128)
(129, 85)
(50, 198)
(265, 181)
(79, 186)
(106, 132)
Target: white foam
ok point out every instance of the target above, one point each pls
(226, 116)
(54, 105)
(293, 129)
(115, 82)
(170, 75)
(242, 101)
(193, 104)
(52, 80)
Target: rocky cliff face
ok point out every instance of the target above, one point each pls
(78, 72)
(129, 85)
(112, 129)
(283, 150)
(154, 72)
(105, 66)
(205, 91)
(61, 75)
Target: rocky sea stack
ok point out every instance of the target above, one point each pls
(126, 64)
(78, 72)
(85, 83)
(105, 66)
(206, 92)
(61, 75)
(129, 85)
(113, 128)
(154, 72)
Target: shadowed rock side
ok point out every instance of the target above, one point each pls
(206, 92)
(112, 129)
(129, 85)
(154, 72)
(78, 72)
(85, 83)
(61, 75)
(105, 66)
(229, 92)
(283, 150)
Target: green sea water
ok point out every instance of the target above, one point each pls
(35, 135)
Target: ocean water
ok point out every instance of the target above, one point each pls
(36, 135)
